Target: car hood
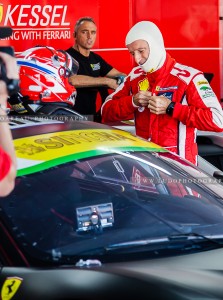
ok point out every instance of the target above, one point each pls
(193, 276)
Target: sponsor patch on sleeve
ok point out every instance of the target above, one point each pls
(203, 87)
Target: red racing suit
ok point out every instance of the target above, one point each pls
(196, 107)
(5, 163)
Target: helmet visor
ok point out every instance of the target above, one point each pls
(74, 67)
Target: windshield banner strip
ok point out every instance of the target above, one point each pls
(43, 151)
(29, 166)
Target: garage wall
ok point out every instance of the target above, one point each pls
(191, 32)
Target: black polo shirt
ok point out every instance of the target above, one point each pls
(94, 66)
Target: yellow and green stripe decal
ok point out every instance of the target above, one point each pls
(40, 152)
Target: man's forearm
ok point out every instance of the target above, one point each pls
(82, 81)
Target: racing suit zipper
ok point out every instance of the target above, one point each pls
(152, 119)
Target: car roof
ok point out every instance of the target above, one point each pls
(33, 126)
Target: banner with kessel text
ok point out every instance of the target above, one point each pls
(48, 23)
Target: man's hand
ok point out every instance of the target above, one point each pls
(142, 98)
(111, 83)
(158, 104)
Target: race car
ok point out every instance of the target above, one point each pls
(98, 213)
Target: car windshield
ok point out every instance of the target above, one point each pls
(122, 200)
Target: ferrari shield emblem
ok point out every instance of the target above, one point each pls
(10, 287)
(143, 85)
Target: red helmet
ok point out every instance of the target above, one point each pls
(44, 74)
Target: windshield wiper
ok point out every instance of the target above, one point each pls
(171, 239)
(196, 236)
(179, 243)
